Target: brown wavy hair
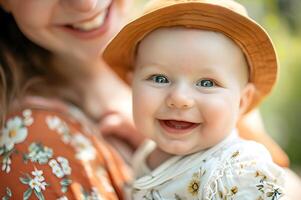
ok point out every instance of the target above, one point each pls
(22, 64)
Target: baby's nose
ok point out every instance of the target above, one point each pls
(180, 98)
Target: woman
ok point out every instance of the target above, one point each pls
(54, 99)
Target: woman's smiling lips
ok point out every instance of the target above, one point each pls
(177, 127)
(89, 29)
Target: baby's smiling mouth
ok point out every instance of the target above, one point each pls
(175, 126)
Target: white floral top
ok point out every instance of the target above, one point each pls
(234, 169)
(47, 153)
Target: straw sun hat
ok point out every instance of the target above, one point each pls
(225, 16)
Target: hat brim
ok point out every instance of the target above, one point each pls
(250, 36)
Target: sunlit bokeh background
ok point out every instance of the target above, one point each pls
(282, 109)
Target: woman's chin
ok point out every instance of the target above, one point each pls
(84, 56)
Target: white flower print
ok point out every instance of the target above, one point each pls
(56, 169)
(62, 198)
(28, 120)
(84, 148)
(53, 122)
(38, 174)
(38, 153)
(95, 195)
(36, 184)
(92, 195)
(56, 124)
(8, 194)
(61, 170)
(14, 133)
(27, 113)
(6, 164)
(65, 165)
(102, 175)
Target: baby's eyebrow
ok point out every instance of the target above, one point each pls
(154, 66)
(208, 70)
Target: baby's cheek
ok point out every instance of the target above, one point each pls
(143, 111)
(217, 106)
(220, 113)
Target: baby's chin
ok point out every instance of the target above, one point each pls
(181, 151)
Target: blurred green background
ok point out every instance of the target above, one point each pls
(282, 109)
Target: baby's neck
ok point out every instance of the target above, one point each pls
(157, 157)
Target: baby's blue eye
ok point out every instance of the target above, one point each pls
(159, 79)
(205, 83)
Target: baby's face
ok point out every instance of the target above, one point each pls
(189, 87)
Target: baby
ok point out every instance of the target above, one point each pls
(198, 66)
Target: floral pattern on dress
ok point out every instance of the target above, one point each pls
(36, 184)
(56, 124)
(102, 175)
(46, 165)
(91, 195)
(83, 146)
(8, 194)
(38, 153)
(61, 169)
(62, 198)
(14, 132)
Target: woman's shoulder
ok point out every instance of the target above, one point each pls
(44, 120)
(46, 152)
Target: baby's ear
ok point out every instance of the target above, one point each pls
(246, 97)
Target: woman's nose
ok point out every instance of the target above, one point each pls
(80, 5)
(180, 99)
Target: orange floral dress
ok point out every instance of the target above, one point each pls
(48, 150)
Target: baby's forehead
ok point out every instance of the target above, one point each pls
(184, 40)
(180, 46)
(204, 38)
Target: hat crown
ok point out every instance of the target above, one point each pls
(229, 4)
